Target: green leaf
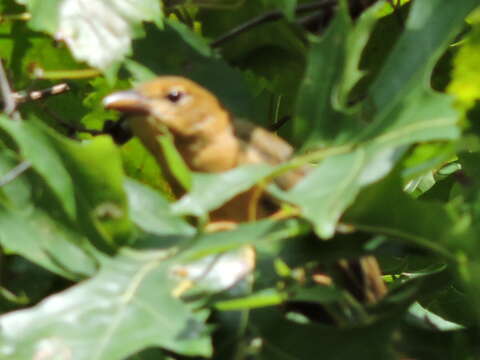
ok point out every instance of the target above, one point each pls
(140, 164)
(33, 226)
(320, 120)
(423, 41)
(411, 113)
(149, 354)
(37, 147)
(129, 308)
(451, 344)
(75, 171)
(26, 281)
(245, 234)
(139, 72)
(152, 212)
(98, 115)
(210, 191)
(283, 339)
(30, 54)
(19, 191)
(421, 115)
(175, 162)
(385, 208)
(46, 242)
(325, 193)
(197, 42)
(426, 157)
(94, 165)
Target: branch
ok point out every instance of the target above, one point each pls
(268, 17)
(7, 94)
(21, 97)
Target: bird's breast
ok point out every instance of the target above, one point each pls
(209, 154)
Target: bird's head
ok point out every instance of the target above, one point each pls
(184, 107)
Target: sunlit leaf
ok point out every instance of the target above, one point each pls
(96, 31)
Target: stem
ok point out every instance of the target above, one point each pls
(39, 73)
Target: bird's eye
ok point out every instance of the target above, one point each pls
(174, 96)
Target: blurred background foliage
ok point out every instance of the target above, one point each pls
(382, 97)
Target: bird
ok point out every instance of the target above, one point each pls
(204, 134)
(211, 140)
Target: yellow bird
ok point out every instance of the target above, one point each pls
(210, 141)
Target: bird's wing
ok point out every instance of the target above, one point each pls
(262, 146)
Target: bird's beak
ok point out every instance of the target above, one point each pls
(129, 101)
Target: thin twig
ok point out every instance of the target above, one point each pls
(268, 17)
(15, 172)
(22, 97)
(7, 94)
